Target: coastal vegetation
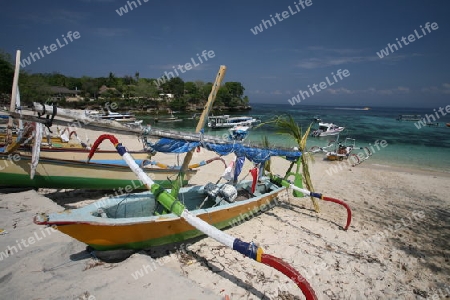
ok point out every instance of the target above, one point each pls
(130, 92)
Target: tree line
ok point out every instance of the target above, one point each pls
(130, 92)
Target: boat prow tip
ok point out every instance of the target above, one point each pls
(41, 219)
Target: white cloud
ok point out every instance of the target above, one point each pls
(443, 89)
(393, 91)
(99, 1)
(110, 32)
(340, 91)
(55, 16)
(169, 67)
(325, 57)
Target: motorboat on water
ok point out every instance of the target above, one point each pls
(227, 121)
(238, 132)
(112, 115)
(408, 118)
(170, 119)
(326, 129)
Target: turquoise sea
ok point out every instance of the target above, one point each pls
(427, 148)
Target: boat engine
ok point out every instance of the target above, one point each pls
(226, 192)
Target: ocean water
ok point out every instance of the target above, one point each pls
(427, 148)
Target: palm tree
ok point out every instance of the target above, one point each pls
(288, 126)
(111, 80)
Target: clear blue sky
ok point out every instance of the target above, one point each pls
(273, 65)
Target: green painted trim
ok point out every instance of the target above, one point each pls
(70, 182)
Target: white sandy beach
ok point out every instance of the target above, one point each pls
(398, 246)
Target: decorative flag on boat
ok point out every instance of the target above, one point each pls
(238, 167)
(229, 171)
(254, 173)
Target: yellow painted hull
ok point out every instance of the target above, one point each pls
(145, 232)
(54, 141)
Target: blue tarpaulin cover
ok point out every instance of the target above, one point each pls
(256, 155)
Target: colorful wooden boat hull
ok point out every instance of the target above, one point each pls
(82, 154)
(58, 173)
(54, 141)
(145, 232)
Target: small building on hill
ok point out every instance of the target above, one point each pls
(59, 93)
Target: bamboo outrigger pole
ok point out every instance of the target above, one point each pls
(200, 126)
(12, 107)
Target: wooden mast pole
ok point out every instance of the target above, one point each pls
(12, 107)
(200, 126)
(211, 98)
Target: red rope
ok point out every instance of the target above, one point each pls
(340, 202)
(72, 133)
(289, 271)
(216, 158)
(98, 141)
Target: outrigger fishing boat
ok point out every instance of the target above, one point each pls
(36, 165)
(343, 151)
(69, 174)
(141, 220)
(137, 221)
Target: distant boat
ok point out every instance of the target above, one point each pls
(195, 116)
(433, 124)
(119, 117)
(408, 118)
(136, 124)
(448, 124)
(172, 118)
(352, 108)
(226, 121)
(238, 132)
(326, 129)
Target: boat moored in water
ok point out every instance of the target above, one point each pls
(111, 115)
(326, 129)
(238, 132)
(408, 118)
(227, 121)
